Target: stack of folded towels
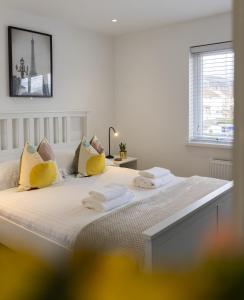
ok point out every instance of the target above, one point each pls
(153, 178)
(108, 197)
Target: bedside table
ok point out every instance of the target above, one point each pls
(129, 162)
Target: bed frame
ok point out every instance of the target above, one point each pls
(176, 240)
(62, 129)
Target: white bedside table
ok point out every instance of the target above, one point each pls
(129, 162)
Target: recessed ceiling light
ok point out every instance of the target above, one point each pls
(114, 20)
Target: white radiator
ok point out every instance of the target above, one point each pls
(221, 169)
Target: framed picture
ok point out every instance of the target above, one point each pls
(30, 63)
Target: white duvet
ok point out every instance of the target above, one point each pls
(56, 212)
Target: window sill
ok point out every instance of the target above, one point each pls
(210, 145)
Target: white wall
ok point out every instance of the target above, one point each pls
(151, 84)
(152, 93)
(83, 71)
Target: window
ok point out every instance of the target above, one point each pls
(211, 90)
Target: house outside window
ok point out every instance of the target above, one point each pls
(211, 94)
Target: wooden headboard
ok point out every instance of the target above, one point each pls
(62, 129)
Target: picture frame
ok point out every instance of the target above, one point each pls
(30, 63)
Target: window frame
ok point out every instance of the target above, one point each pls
(195, 89)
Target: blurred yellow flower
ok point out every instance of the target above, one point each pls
(93, 276)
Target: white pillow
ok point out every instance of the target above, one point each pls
(64, 159)
(9, 174)
(109, 162)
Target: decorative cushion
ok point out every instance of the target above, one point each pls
(38, 168)
(96, 144)
(45, 150)
(43, 174)
(88, 161)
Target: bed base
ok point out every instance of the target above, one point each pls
(18, 238)
(177, 240)
(182, 239)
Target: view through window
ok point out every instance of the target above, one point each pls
(212, 103)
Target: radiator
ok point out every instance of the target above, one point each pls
(221, 169)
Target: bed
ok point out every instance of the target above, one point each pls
(49, 221)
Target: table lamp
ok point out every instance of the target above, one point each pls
(109, 142)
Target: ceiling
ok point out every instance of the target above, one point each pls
(132, 15)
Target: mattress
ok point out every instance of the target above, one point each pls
(57, 212)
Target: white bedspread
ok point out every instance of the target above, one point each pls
(57, 213)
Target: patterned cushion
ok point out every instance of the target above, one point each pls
(96, 144)
(38, 168)
(45, 150)
(88, 161)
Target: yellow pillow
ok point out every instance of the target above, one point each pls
(37, 171)
(88, 161)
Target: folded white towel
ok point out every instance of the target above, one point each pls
(109, 192)
(94, 203)
(155, 172)
(152, 183)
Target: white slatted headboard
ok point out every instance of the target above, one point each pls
(62, 129)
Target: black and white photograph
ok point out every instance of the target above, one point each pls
(30, 63)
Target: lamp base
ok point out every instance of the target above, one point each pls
(110, 156)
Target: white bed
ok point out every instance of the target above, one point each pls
(47, 221)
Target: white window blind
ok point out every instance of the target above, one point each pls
(211, 91)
